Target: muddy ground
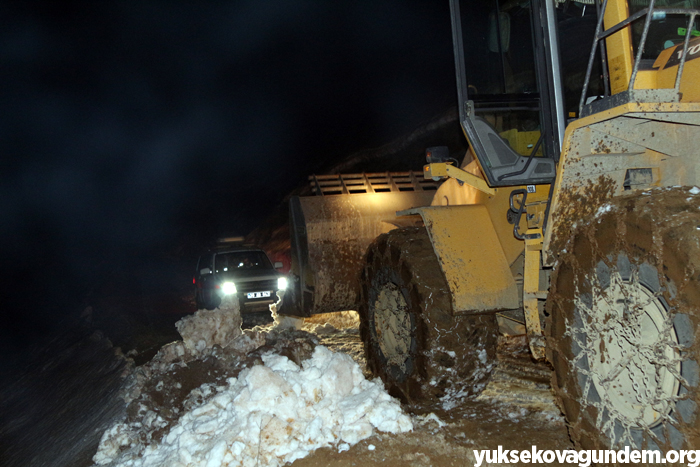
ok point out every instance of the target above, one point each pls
(55, 414)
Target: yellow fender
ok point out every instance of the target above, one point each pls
(471, 257)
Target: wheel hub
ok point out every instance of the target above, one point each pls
(632, 353)
(392, 325)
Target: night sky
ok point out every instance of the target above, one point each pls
(128, 128)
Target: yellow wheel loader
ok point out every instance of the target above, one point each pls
(583, 219)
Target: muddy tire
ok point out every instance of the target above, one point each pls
(624, 310)
(209, 301)
(411, 338)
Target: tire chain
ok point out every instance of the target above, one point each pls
(593, 324)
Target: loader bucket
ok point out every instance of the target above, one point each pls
(329, 238)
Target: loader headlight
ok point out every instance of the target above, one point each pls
(228, 288)
(282, 283)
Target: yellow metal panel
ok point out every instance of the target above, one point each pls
(531, 293)
(646, 79)
(619, 47)
(470, 179)
(665, 69)
(666, 75)
(522, 141)
(471, 257)
(441, 169)
(571, 180)
(452, 193)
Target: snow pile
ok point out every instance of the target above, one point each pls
(207, 328)
(269, 415)
(205, 334)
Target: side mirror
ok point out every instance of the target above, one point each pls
(204, 271)
(279, 265)
(437, 154)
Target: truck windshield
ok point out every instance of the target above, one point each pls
(241, 260)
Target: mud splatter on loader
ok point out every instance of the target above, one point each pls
(587, 232)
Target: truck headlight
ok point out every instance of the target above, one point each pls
(281, 283)
(228, 288)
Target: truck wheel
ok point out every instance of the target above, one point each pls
(411, 338)
(624, 309)
(209, 300)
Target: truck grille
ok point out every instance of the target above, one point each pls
(256, 286)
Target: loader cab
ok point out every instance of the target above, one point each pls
(510, 109)
(516, 92)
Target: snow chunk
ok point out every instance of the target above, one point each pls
(207, 328)
(431, 417)
(284, 322)
(483, 356)
(603, 209)
(112, 440)
(694, 191)
(270, 415)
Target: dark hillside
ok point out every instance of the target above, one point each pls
(404, 153)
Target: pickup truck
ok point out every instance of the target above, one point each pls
(245, 272)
